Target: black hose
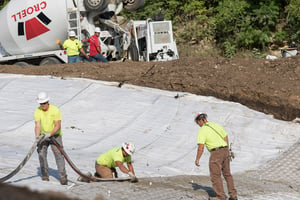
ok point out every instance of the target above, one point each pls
(85, 176)
(21, 165)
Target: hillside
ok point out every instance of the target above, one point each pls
(269, 86)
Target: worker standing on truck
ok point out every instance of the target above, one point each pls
(47, 119)
(95, 48)
(73, 47)
(107, 162)
(215, 138)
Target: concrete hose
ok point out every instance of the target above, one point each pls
(83, 175)
(21, 165)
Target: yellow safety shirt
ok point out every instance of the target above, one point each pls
(212, 135)
(72, 47)
(47, 118)
(110, 157)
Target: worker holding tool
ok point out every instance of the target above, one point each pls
(107, 162)
(215, 138)
(47, 119)
(73, 47)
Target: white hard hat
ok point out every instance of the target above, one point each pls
(72, 34)
(97, 30)
(128, 147)
(42, 97)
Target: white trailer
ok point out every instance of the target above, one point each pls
(152, 41)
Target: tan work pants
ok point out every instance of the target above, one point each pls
(104, 171)
(219, 162)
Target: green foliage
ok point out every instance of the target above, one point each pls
(252, 37)
(266, 15)
(256, 53)
(3, 3)
(280, 36)
(192, 24)
(229, 14)
(294, 9)
(233, 25)
(229, 49)
(293, 25)
(189, 18)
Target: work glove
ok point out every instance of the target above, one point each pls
(37, 138)
(45, 137)
(133, 177)
(231, 155)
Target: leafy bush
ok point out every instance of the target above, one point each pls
(229, 49)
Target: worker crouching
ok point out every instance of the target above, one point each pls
(107, 162)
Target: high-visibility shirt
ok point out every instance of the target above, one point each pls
(72, 47)
(48, 118)
(212, 135)
(110, 157)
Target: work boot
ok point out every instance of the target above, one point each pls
(45, 178)
(64, 180)
(97, 175)
(83, 179)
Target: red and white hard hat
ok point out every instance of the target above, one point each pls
(200, 116)
(128, 147)
(42, 97)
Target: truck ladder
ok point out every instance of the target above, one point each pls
(74, 22)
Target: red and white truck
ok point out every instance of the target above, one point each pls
(30, 29)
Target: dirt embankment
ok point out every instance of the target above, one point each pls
(269, 86)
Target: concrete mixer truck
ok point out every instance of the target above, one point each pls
(30, 29)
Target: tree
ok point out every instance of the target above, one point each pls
(292, 20)
(3, 3)
(229, 16)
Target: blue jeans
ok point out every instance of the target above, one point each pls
(99, 58)
(73, 59)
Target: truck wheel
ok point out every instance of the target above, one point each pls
(132, 5)
(133, 53)
(95, 5)
(49, 61)
(22, 63)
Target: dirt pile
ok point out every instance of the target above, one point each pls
(269, 86)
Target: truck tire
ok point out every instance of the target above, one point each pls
(49, 61)
(95, 5)
(133, 53)
(132, 5)
(22, 63)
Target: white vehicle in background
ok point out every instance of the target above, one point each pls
(30, 29)
(152, 41)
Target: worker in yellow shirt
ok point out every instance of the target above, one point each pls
(73, 47)
(107, 162)
(215, 138)
(47, 119)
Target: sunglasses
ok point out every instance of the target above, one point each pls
(44, 103)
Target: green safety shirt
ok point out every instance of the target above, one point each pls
(72, 47)
(47, 118)
(110, 157)
(212, 135)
